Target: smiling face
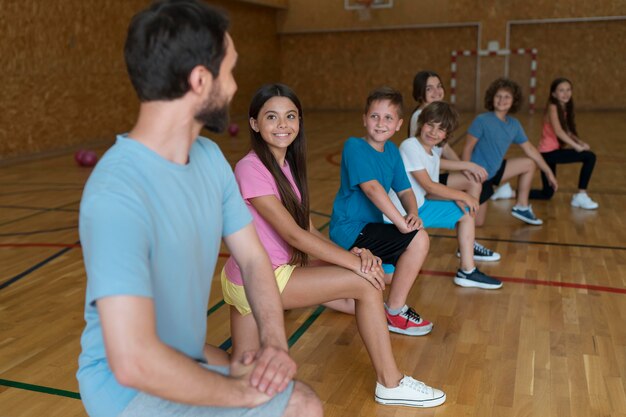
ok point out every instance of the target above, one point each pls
(502, 101)
(563, 92)
(434, 90)
(381, 122)
(432, 134)
(278, 123)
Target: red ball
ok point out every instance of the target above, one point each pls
(78, 155)
(88, 159)
(233, 129)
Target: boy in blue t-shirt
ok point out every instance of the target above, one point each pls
(370, 167)
(488, 139)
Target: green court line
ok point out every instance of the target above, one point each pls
(319, 213)
(324, 226)
(304, 327)
(215, 307)
(39, 388)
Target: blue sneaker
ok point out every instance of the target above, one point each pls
(525, 214)
(476, 279)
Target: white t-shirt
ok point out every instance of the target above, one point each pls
(415, 158)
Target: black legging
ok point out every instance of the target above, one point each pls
(565, 156)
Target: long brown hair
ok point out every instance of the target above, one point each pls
(296, 157)
(566, 115)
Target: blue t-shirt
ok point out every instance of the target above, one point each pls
(494, 138)
(360, 162)
(152, 228)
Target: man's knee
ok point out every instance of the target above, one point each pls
(303, 402)
(529, 165)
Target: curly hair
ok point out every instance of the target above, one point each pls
(504, 84)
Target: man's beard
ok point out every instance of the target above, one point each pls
(214, 116)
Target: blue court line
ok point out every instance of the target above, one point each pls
(34, 268)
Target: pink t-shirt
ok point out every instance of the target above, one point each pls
(255, 181)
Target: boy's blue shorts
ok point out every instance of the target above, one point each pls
(444, 214)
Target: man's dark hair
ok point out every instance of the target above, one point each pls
(167, 40)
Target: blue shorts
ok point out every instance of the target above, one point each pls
(443, 214)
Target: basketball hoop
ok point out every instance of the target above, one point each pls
(364, 7)
(365, 11)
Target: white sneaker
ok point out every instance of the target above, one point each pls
(503, 192)
(411, 393)
(582, 200)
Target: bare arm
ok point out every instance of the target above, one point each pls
(377, 195)
(532, 152)
(448, 153)
(274, 367)
(439, 190)
(470, 144)
(141, 361)
(566, 137)
(273, 211)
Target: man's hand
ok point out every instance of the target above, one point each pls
(273, 369)
(241, 373)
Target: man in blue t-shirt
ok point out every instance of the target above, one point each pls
(152, 218)
(489, 138)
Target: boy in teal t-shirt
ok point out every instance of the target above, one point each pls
(370, 167)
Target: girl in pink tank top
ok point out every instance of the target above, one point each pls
(560, 144)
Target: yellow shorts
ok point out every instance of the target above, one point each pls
(235, 295)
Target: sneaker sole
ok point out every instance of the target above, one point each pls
(415, 331)
(411, 403)
(585, 208)
(468, 283)
(536, 222)
(492, 258)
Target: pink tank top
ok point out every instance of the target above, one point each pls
(549, 142)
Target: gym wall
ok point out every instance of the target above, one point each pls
(333, 58)
(63, 81)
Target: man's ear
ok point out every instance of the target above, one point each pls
(254, 124)
(200, 79)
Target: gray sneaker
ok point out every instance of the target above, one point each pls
(476, 279)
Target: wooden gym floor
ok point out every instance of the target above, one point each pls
(551, 342)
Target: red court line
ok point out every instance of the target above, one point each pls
(589, 287)
(330, 158)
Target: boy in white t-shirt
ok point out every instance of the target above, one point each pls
(445, 207)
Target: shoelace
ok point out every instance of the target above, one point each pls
(482, 250)
(415, 385)
(412, 315)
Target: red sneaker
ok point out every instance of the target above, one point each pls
(408, 322)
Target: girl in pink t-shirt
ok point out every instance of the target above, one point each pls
(559, 132)
(272, 181)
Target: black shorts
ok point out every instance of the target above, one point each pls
(488, 185)
(384, 240)
(443, 178)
